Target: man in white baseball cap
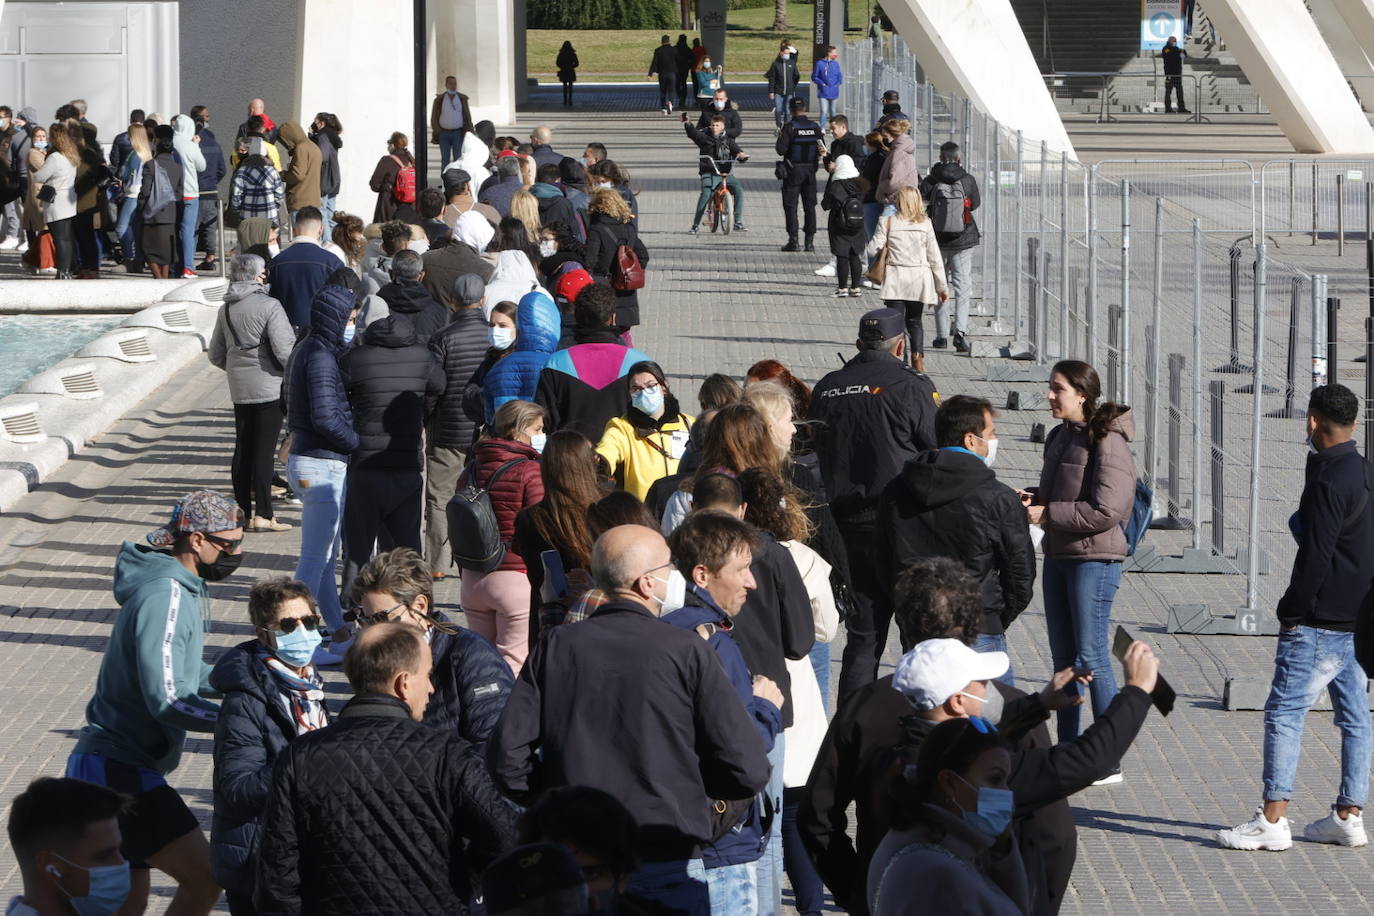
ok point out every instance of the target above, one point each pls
(945, 679)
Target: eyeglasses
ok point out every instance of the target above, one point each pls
(359, 615)
(646, 572)
(982, 726)
(650, 387)
(288, 624)
(224, 544)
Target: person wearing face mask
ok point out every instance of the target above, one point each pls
(379, 785)
(951, 824)
(647, 442)
(949, 503)
(471, 679)
(714, 552)
(500, 337)
(783, 78)
(715, 164)
(538, 327)
(66, 841)
(696, 741)
(450, 120)
(719, 104)
(272, 695)
(706, 81)
(150, 690)
(505, 463)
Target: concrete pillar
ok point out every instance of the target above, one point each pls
(713, 14)
(1345, 47)
(1283, 54)
(489, 76)
(977, 49)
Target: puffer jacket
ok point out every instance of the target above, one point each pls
(378, 814)
(253, 730)
(585, 385)
(302, 177)
(516, 377)
(899, 170)
(410, 298)
(519, 487)
(392, 382)
(192, 159)
(1088, 491)
(555, 207)
(471, 683)
(640, 450)
(460, 348)
(254, 350)
(317, 410)
(954, 173)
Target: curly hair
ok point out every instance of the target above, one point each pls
(937, 598)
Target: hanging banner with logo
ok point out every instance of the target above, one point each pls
(711, 15)
(1158, 20)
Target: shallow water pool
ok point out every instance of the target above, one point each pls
(31, 343)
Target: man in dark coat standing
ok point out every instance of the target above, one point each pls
(211, 210)
(379, 813)
(406, 295)
(1172, 56)
(954, 186)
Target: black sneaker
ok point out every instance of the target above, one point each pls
(791, 245)
(961, 344)
(809, 246)
(739, 227)
(692, 231)
(939, 343)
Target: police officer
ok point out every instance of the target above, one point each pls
(801, 149)
(871, 417)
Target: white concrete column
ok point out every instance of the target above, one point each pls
(488, 75)
(1345, 47)
(1278, 46)
(977, 49)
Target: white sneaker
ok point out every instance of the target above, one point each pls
(1258, 833)
(1333, 829)
(9, 244)
(23, 246)
(1114, 778)
(869, 284)
(827, 269)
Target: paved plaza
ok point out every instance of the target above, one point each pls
(712, 304)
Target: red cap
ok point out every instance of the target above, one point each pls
(572, 283)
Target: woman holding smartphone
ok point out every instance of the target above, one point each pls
(1086, 493)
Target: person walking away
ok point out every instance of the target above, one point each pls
(696, 741)
(915, 275)
(783, 77)
(899, 167)
(159, 199)
(497, 603)
(251, 342)
(664, 63)
(272, 694)
(949, 503)
(149, 692)
(56, 194)
(827, 77)
(450, 119)
(394, 182)
(1318, 614)
(567, 64)
(300, 271)
(1172, 55)
(211, 207)
(685, 71)
(715, 142)
(862, 440)
(799, 144)
(327, 134)
(611, 230)
(422, 801)
(1085, 497)
(187, 146)
(393, 382)
(844, 196)
(320, 425)
(302, 178)
(951, 196)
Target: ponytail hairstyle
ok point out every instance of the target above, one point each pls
(1083, 378)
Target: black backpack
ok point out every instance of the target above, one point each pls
(853, 211)
(474, 535)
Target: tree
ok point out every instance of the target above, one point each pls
(779, 15)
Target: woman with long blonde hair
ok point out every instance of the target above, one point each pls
(609, 226)
(915, 274)
(525, 208)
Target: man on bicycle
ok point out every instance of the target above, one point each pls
(719, 152)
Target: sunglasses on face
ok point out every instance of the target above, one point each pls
(359, 615)
(288, 624)
(224, 544)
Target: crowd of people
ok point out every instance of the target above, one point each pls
(630, 712)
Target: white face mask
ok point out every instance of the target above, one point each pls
(548, 247)
(501, 338)
(720, 105)
(273, 249)
(538, 441)
(992, 450)
(676, 592)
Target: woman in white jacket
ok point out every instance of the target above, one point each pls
(58, 173)
(187, 146)
(915, 275)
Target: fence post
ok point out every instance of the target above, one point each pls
(1090, 294)
(1318, 330)
(1113, 352)
(1125, 348)
(1290, 382)
(1016, 262)
(968, 116)
(1063, 255)
(1333, 307)
(1033, 284)
(1152, 365)
(1042, 339)
(997, 217)
(1217, 391)
(1039, 305)
(1197, 384)
(1256, 430)
(1314, 202)
(1292, 192)
(930, 124)
(1234, 365)
(1340, 215)
(1369, 386)
(223, 259)
(1174, 520)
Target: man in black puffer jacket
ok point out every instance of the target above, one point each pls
(379, 813)
(407, 295)
(393, 382)
(949, 503)
(460, 346)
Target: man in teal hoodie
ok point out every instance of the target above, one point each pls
(149, 693)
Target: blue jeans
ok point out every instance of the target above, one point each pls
(820, 663)
(959, 273)
(328, 204)
(770, 863)
(1308, 659)
(450, 147)
(190, 218)
(781, 109)
(127, 229)
(825, 111)
(319, 482)
(680, 885)
(734, 889)
(1078, 612)
(871, 211)
(996, 642)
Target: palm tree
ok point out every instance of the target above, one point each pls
(779, 15)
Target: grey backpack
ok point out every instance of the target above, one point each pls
(161, 193)
(947, 208)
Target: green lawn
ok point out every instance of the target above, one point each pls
(623, 56)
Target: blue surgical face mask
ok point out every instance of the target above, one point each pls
(297, 648)
(501, 338)
(109, 888)
(995, 808)
(648, 400)
(350, 330)
(40, 144)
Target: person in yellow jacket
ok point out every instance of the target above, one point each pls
(647, 441)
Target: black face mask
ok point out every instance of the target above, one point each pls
(222, 568)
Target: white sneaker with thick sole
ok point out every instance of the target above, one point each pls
(1348, 831)
(9, 244)
(827, 269)
(1257, 833)
(1114, 778)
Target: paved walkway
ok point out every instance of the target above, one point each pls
(713, 304)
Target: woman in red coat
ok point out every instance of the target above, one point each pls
(497, 603)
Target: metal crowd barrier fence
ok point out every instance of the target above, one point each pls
(1114, 95)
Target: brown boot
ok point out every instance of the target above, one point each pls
(918, 362)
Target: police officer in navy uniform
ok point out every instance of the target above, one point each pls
(869, 418)
(801, 150)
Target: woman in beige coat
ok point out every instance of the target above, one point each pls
(915, 275)
(34, 221)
